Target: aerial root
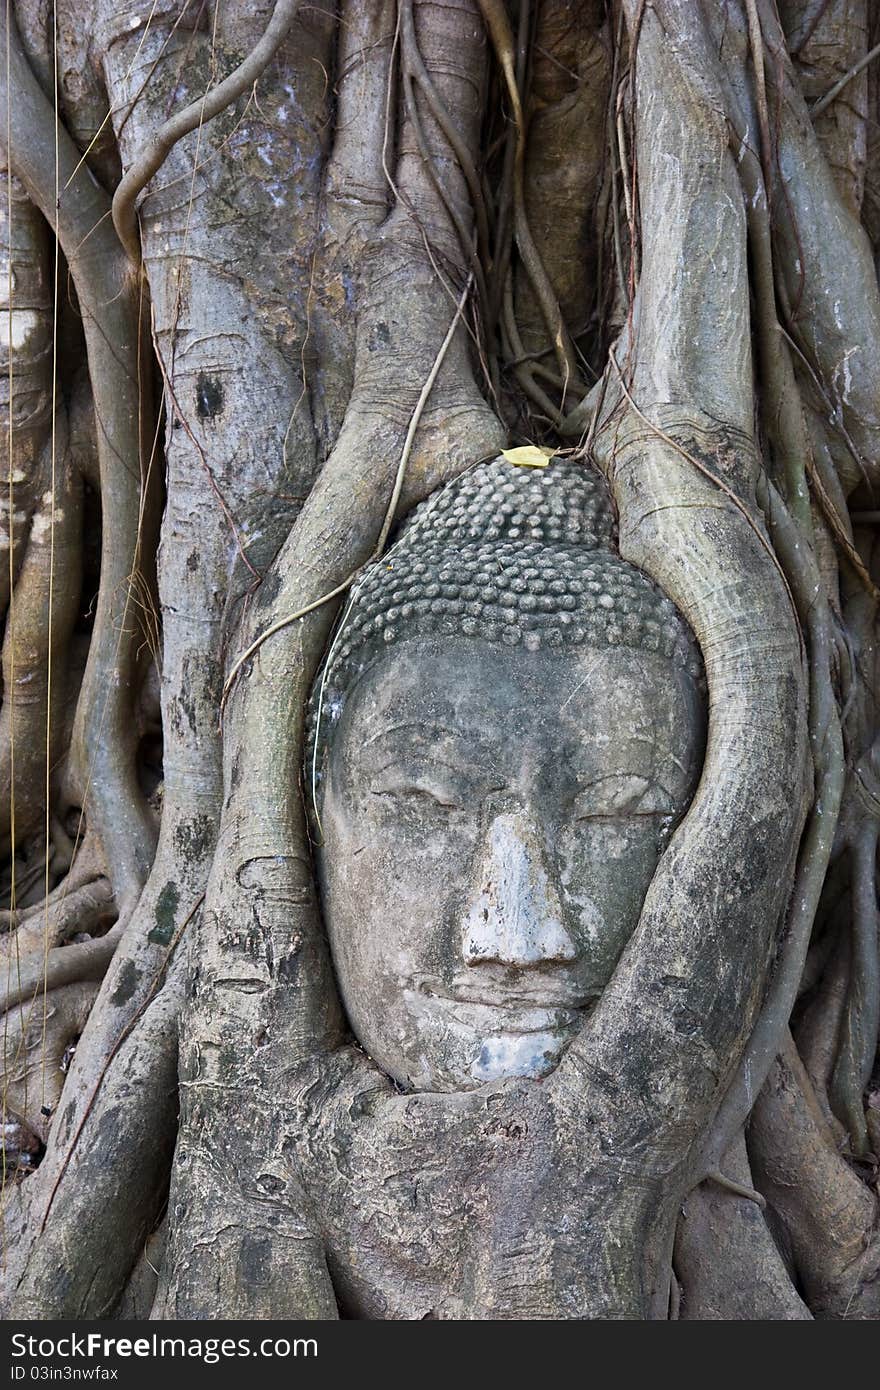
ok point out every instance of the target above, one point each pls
(737, 1188)
(153, 156)
(501, 35)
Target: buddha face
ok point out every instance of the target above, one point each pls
(492, 819)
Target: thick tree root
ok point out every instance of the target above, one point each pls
(698, 211)
(829, 1214)
(138, 1098)
(726, 1261)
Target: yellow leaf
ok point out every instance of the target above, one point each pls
(529, 456)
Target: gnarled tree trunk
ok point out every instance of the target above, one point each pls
(274, 273)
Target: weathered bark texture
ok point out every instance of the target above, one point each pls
(411, 234)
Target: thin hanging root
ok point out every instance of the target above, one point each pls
(418, 71)
(782, 406)
(813, 22)
(815, 235)
(503, 243)
(514, 349)
(462, 230)
(838, 527)
(756, 44)
(824, 102)
(497, 23)
(835, 415)
(737, 1188)
(620, 281)
(784, 415)
(623, 156)
(156, 151)
(568, 91)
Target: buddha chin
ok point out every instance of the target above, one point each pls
(512, 1036)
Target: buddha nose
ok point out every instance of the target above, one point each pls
(514, 918)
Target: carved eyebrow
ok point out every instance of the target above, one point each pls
(466, 755)
(638, 739)
(615, 776)
(428, 733)
(410, 728)
(651, 783)
(429, 764)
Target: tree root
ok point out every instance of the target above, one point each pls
(659, 494)
(25, 371)
(827, 749)
(397, 221)
(495, 17)
(829, 1214)
(568, 96)
(860, 1020)
(37, 1037)
(87, 908)
(103, 757)
(153, 156)
(60, 965)
(272, 999)
(42, 612)
(138, 1108)
(817, 1030)
(725, 1258)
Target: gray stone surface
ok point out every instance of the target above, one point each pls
(508, 727)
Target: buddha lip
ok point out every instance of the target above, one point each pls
(520, 1013)
(561, 998)
(516, 1001)
(503, 1018)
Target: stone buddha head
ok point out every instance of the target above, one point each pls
(507, 728)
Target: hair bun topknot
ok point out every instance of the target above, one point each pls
(508, 555)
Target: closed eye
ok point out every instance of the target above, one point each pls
(622, 797)
(417, 791)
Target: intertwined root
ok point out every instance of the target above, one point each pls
(293, 302)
